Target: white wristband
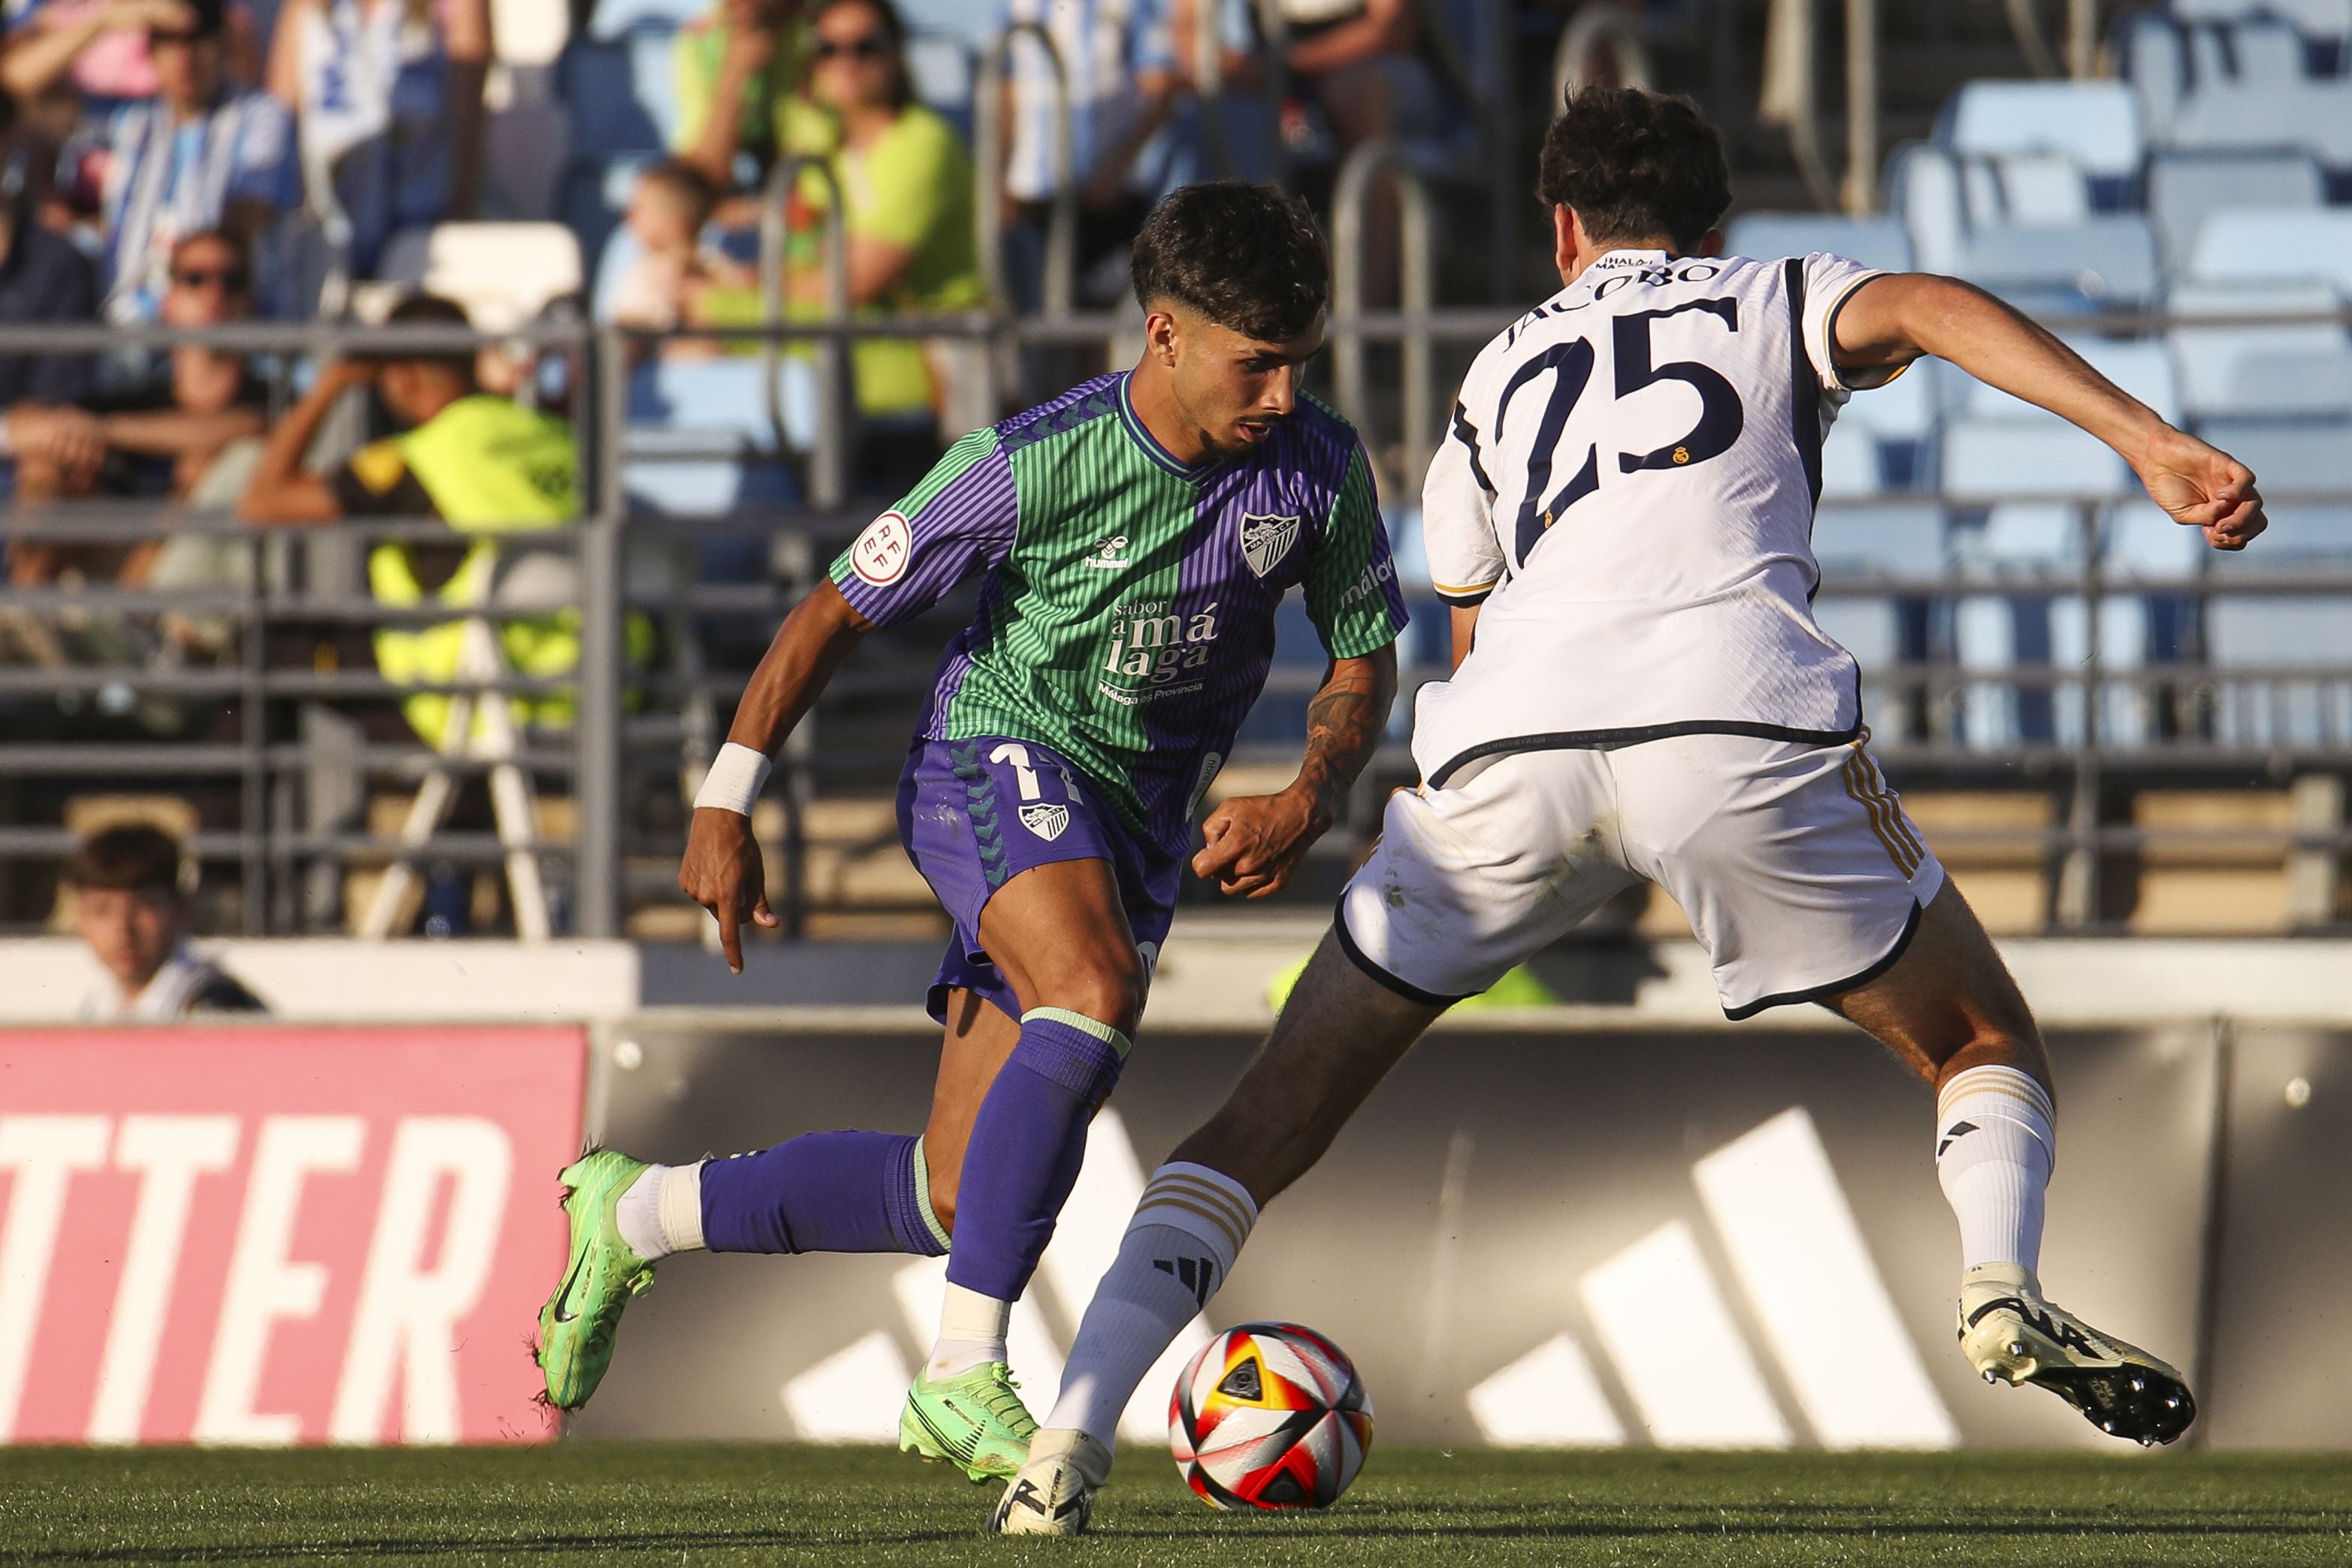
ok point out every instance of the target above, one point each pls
(736, 778)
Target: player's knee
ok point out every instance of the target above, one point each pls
(1105, 988)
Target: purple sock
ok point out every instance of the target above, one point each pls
(822, 1192)
(1026, 1145)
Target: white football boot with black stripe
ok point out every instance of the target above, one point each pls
(1055, 1493)
(2010, 1334)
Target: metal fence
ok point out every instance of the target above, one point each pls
(280, 767)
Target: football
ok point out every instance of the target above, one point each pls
(1269, 1416)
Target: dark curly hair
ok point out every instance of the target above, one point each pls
(1246, 257)
(1635, 165)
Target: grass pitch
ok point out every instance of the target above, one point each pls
(677, 1504)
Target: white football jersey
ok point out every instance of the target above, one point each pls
(1627, 488)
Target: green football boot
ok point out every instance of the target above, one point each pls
(973, 1420)
(576, 1326)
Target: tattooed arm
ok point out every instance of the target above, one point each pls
(1255, 842)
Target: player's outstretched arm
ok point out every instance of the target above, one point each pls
(1254, 842)
(722, 871)
(1888, 322)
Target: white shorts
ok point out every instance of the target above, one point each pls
(1799, 872)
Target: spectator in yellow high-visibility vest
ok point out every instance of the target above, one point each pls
(478, 462)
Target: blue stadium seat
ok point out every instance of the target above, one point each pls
(2185, 188)
(1994, 634)
(1874, 242)
(699, 439)
(2302, 369)
(621, 95)
(1851, 467)
(2106, 262)
(1995, 459)
(2247, 633)
(1904, 542)
(970, 22)
(2096, 123)
(615, 19)
(2277, 243)
(1900, 418)
(2141, 367)
(2308, 456)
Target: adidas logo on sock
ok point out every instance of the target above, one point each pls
(1953, 1134)
(1198, 1275)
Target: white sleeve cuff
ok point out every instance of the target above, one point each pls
(736, 778)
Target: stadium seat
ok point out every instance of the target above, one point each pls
(616, 19)
(623, 96)
(1994, 460)
(1901, 418)
(2246, 634)
(1874, 242)
(969, 24)
(2277, 243)
(529, 33)
(1850, 468)
(2287, 457)
(2106, 262)
(1902, 541)
(1923, 189)
(503, 274)
(2033, 188)
(2096, 123)
(2141, 367)
(525, 154)
(2185, 188)
(2300, 369)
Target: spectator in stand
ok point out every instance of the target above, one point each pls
(132, 909)
(43, 278)
(475, 462)
(906, 184)
(1364, 63)
(739, 70)
(106, 46)
(672, 269)
(161, 435)
(387, 102)
(198, 155)
(1118, 68)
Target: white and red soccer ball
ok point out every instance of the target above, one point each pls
(1269, 1416)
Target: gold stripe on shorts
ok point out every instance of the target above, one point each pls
(1868, 791)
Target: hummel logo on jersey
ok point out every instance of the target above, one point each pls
(1953, 1134)
(1198, 1275)
(1265, 541)
(1110, 555)
(1046, 821)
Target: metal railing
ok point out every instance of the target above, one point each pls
(642, 734)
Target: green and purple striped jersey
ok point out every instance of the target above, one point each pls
(1127, 619)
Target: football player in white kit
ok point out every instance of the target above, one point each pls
(1621, 517)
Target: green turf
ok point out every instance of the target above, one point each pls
(680, 1504)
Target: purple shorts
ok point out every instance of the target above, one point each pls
(974, 814)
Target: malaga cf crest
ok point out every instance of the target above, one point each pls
(1265, 541)
(1047, 821)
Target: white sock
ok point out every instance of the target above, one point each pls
(662, 1212)
(1179, 1247)
(1996, 1143)
(972, 1332)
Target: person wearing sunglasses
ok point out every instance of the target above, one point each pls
(200, 154)
(739, 70)
(156, 437)
(907, 191)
